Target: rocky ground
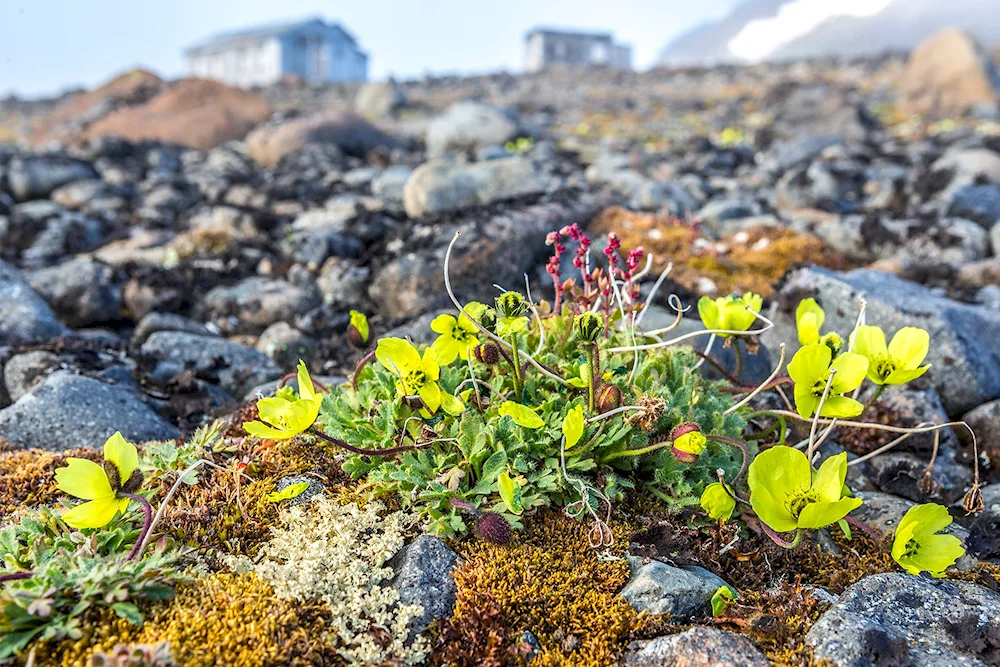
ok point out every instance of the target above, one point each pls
(155, 279)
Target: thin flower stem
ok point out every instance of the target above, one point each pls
(637, 452)
(652, 293)
(704, 357)
(864, 527)
(361, 364)
(16, 576)
(743, 449)
(475, 383)
(778, 540)
(516, 364)
(762, 386)
(819, 410)
(877, 395)
(364, 452)
(612, 413)
(694, 334)
(593, 376)
(288, 376)
(721, 474)
(739, 359)
(489, 334)
(147, 512)
(538, 317)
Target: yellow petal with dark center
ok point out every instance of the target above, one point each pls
(83, 479)
(123, 454)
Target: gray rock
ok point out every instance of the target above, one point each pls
(698, 646)
(378, 99)
(466, 126)
(314, 490)
(286, 345)
(435, 187)
(682, 592)
(24, 371)
(797, 151)
(344, 283)
(643, 192)
(84, 292)
(256, 303)
(964, 367)
(154, 322)
(76, 195)
(67, 411)
(236, 367)
(388, 186)
(36, 177)
(980, 203)
(967, 165)
(909, 620)
(718, 212)
(24, 315)
(424, 575)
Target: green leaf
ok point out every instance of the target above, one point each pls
(128, 611)
(845, 527)
(493, 465)
(721, 599)
(289, 492)
(510, 493)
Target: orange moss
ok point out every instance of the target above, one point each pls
(754, 261)
(550, 581)
(222, 619)
(27, 476)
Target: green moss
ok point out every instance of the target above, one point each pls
(26, 476)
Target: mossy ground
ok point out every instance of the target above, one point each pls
(753, 260)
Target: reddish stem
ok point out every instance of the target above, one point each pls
(148, 512)
(742, 447)
(365, 452)
(15, 576)
(864, 527)
(285, 378)
(361, 364)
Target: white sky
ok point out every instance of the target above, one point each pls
(763, 37)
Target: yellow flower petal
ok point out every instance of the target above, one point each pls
(776, 474)
(306, 389)
(717, 502)
(810, 364)
(83, 479)
(809, 317)
(443, 324)
(822, 514)
(851, 371)
(869, 341)
(841, 407)
(397, 355)
(93, 513)
(123, 454)
(521, 414)
(261, 430)
(429, 365)
(902, 376)
(572, 426)
(830, 477)
(805, 400)
(708, 310)
(430, 394)
(451, 404)
(360, 322)
(446, 349)
(909, 347)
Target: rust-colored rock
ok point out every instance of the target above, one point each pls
(351, 133)
(949, 73)
(76, 113)
(196, 113)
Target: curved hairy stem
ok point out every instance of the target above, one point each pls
(357, 369)
(16, 576)
(739, 445)
(147, 512)
(364, 452)
(777, 538)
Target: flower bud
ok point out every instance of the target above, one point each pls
(688, 442)
(590, 326)
(354, 337)
(511, 304)
(487, 353)
(492, 527)
(608, 398)
(489, 320)
(834, 341)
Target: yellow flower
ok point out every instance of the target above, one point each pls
(786, 493)
(897, 363)
(730, 313)
(572, 426)
(360, 323)
(809, 317)
(810, 369)
(917, 547)
(458, 335)
(103, 486)
(416, 375)
(283, 416)
(717, 502)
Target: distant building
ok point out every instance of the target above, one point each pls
(312, 49)
(543, 48)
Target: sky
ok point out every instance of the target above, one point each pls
(47, 46)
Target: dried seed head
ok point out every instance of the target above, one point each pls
(493, 528)
(973, 500)
(487, 353)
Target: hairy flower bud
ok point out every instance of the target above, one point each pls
(590, 326)
(511, 304)
(489, 320)
(492, 527)
(608, 398)
(688, 442)
(487, 353)
(834, 341)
